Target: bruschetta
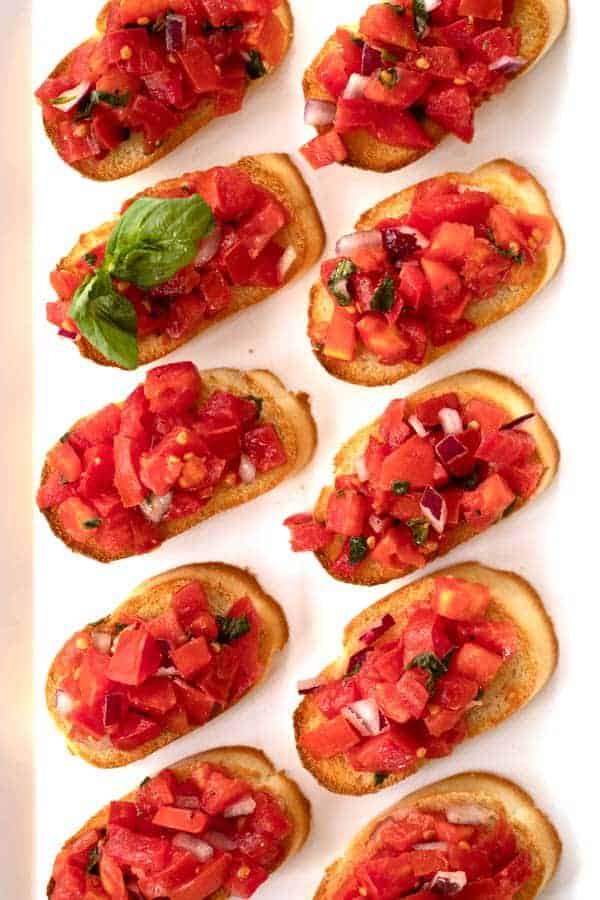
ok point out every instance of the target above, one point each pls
(184, 647)
(384, 93)
(182, 447)
(217, 824)
(248, 229)
(444, 659)
(429, 266)
(474, 835)
(436, 469)
(155, 72)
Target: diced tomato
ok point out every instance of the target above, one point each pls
(78, 519)
(198, 705)
(481, 9)
(188, 602)
(440, 721)
(489, 416)
(332, 74)
(506, 448)
(112, 878)
(65, 461)
(497, 42)
(136, 657)
(388, 876)
(451, 242)
(154, 118)
(456, 598)
(523, 478)
(498, 637)
(121, 812)
(156, 696)
(166, 627)
(425, 633)
(347, 512)
(307, 534)
(397, 550)
(77, 142)
(431, 209)
(330, 738)
(180, 870)
(264, 448)
(400, 129)
(98, 478)
(192, 657)
(340, 339)
(190, 820)
(93, 677)
(477, 663)
(398, 87)
(325, 149)
(455, 692)
(382, 339)
(127, 482)
(211, 878)
(404, 700)
(392, 428)
(412, 461)
(444, 283)
(351, 49)
(390, 25)
(351, 114)
(392, 751)
(134, 731)
(218, 790)
(173, 388)
(485, 505)
(333, 697)
(485, 268)
(245, 880)
(427, 411)
(413, 285)
(129, 848)
(65, 284)
(452, 108)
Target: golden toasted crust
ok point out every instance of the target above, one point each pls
(541, 23)
(224, 584)
(253, 766)
(475, 383)
(277, 173)
(291, 415)
(519, 680)
(511, 185)
(534, 830)
(129, 156)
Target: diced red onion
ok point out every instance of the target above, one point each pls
(359, 240)
(102, 641)
(167, 671)
(114, 705)
(175, 32)
(243, 807)
(63, 332)
(377, 628)
(420, 238)
(219, 841)
(201, 850)
(516, 422)
(434, 508)
(71, 97)
(450, 420)
(319, 112)
(470, 814)
(450, 448)
(376, 523)
(417, 426)
(507, 64)
(154, 508)
(308, 685)
(442, 846)
(355, 88)
(357, 659)
(430, 5)
(187, 801)
(64, 703)
(364, 716)
(370, 60)
(247, 470)
(448, 883)
(286, 262)
(209, 247)
(360, 467)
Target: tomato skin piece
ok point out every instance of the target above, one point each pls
(330, 738)
(412, 461)
(191, 821)
(211, 877)
(127, 481)
(112, 878)
(391, 751)
(347, 512)
(458, 598)
(307, 534)
(136, 658)
(324, 150)
(484, 506)
(481, 9)
(477, 663)
(173, 388)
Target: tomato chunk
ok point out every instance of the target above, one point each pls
(456, 598)
(136, 657)
(330, 738)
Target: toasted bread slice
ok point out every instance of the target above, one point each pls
(223, 584)
(474, 383)
(534, 831)
(519, 680)
(511, 185)
(541, 23)
(130, 156)
(289, 413)
(243, 762)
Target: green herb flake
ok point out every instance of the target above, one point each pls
(116, 99)
(144, 781)
(480, 693)
(388, 57)
(120, 626)
(107, 319)
(420, 530)
(432, 665)
(398, 8)
(357, 550)
(385, 295)
(232, 627)
(400, 487)
(65, 437)
(421, 17)
(258, 402)
(379, 777)
(471, 482)
(337, 281)
(510, 508)
(515, 255)
(93, 863)
(92, 523)
(90, 258)
(255, 66)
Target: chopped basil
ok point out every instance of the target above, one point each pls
(398, 8)
(65, 437)
(92, 523)
(255, 67)
(383, 298)
(419, 529)
(115, 100)
(471, 481)
(432, 665)
(480, 693)
(145, 781)
(120, 626)
(92, 867)
(232, 627)
(515, 255)
(388, 57)
(337, 282)
(90, 258)
(258, 402)
(379, 777)
(389, 77)
(400, 487)
(510, 508)
(356, 666)
(357, 550)
(209, 28)
(107, 319)
(421, 17)
(98, 622)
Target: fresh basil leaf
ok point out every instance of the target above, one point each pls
(156, 237)
(421, 17)
(515, 255)
(106, 319)
(383, 298)
(258, 402)
(432, 665)
(338, 281)
(116, 99)
(255, 66)
(92, 867)
(357, 550)
(120, 626)
(90, 258)
(92, 523)
(379, 777)
(400, 487)
(232, 627)
(398, 8)
(420, 530)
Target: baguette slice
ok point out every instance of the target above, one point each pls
(535, 832)
(276, 173)
(541, 23)
(518, 682)
(289, 412)
(475, 383)
(511, 185)
(244, 762)
(223, 584)
(130, 156)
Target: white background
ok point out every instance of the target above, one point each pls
(547, 122)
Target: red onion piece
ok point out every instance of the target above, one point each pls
(359, 240)
(355, 88)
(102, 641)
(450, 420)
(64, 703)
(450, 448)
(71, 97)
(63, 332)
(470, 814)
(319, 112)
(286, 262)
(114, 707)
(400, 246)
(201, 850)
(308, 685)
(175, 32)
(516, 422)
(243, 807)
(430, 5)
(364, 716)
(419, 237)
(219, 841)
(417, 426)
(376, 523)
(209, 246)
(356, 660)
(166, 671)
(434, 508)
(377, 628)
(187, 801)
(508, 64)
(247, 470)
(154, 508)
(370, 60)
(448, 883)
